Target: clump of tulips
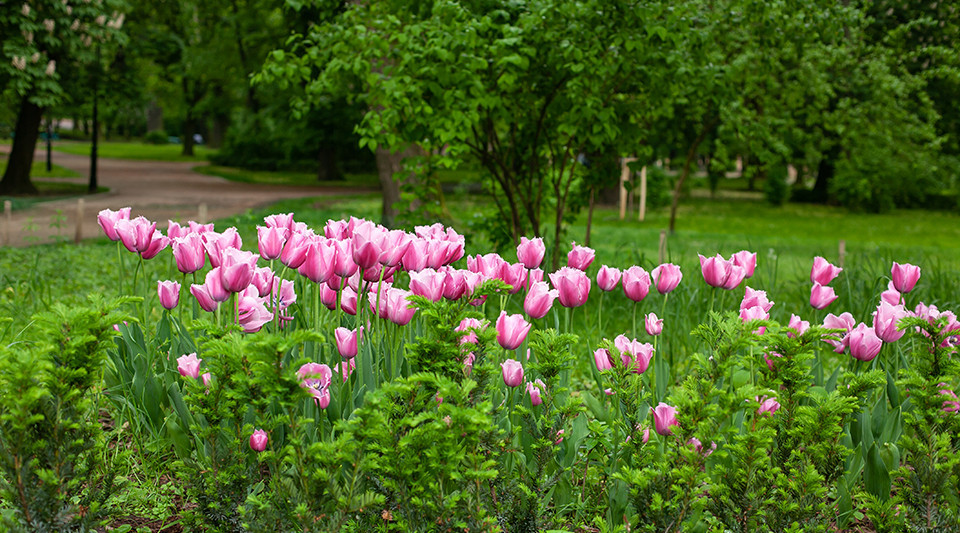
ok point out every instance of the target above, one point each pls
(386, 306)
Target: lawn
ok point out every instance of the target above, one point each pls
(135, 150)
(287, 177)
(47, 184)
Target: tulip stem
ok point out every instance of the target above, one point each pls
(600, 316)
(635, 304)
(120, 272)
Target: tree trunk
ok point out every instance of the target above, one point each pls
(219, 131)
(388, 164)
(154, 117)
(825, 172)
(327, 167)
(16, 179)
(691, 153)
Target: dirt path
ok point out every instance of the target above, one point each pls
(158, 190)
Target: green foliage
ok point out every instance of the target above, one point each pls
(930, 470)
(53, 473)
(423, 439)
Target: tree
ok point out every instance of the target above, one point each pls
(35, 38)
(522, 87)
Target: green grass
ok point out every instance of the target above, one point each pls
(135, 150)
(286, 177)
(39, 170)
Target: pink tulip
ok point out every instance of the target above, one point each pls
(133, 233)
(283, 293)
(653, 325)
(295, 249)
(348, 301)
(636, 283)
(885, 320)
(367, 245)
(263, 281)
(347, 341)
(344, 266)
(189, 366)
(428, 283)
(393, 246)
(864, 343)
(252, 312)
(398, 309)
(270, 241)
(573, 286)
(736, 274)
(904, 276)
(489, 265)
(752, 298)
(666, 277)
(202, 294)
(949, 406)
(823, 272)
(417, 255)
(199, 228)
(316, 378)
(533, 389)
(514, 275)
(258, 441)
(175, 230)
(821, 296)
(530, 252)
(214, 286)
(108, 219)
(169, 293)
(797, 325)
(602, 358)
(580, 257)
(844, 322)
(664, 416)
(892, 296)
(237, 268)
(280, 220)
(511, 330)
(715, 270)
(216, 243)
(512, 372)
(189, 253)
(745, 260)
(337, 229)
(344, 368)
(767, 405)
(467, 325)
(608, 278)
(156, 244)
(320, 260)
(534, 276)
(206, 377)
(634, 355)
(539, 300)
(755, 313)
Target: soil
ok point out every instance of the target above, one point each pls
(158, 190)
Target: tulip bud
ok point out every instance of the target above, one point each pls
(666, 277)
(530, 252)
(580, 257)
(664, 416)
(512, 372)
(608, 278)
(511, 330)
(654, 325)
(904, 276)
(169, 293)
(258, 441)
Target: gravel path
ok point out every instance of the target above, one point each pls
(158, 190)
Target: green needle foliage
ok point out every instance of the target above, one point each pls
(51, 440)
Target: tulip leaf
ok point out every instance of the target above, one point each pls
(662, 375)
(831, 384)
(892, 391)
(740, 378)
(878, 417)
(893, 426)
(595, 406)
(876, 478)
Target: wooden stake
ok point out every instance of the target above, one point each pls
(79, 235)
(202, 214)
(624, 174)
(662, 252)
(643, 193)
(842, 252)
(8, 217)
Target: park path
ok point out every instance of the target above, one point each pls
(158, 190)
